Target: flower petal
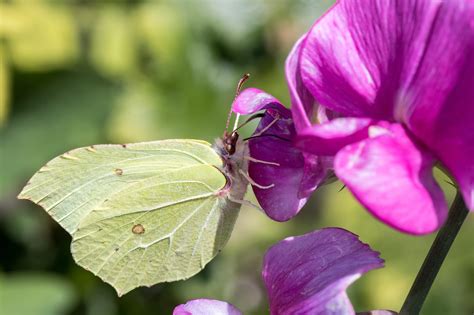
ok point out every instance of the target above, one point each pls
(302, 102)
(206, 307)
(309, 274)
(356, 58)
(392, 177)
(280, 202)
(438, 103)
(328, 138)
(252, 100)
(318, 170)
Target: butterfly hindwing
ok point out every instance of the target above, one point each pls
(165, 228)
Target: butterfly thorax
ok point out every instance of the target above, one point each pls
(233, 152)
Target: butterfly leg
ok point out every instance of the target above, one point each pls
(275, 119)
(245, 203)
(253, 183)
(249, 158)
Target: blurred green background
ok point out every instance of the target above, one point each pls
(75, 73)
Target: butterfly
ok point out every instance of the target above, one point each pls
(145, 213)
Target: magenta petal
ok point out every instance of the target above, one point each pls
(309, 274)
(330, 137)
(318, 170)
(252, 100)
(336, 63)
(438, 104)
(357, 60)
(282, 201)
(392, 177)
(206, 307)
(302, 102)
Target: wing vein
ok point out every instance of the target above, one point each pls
(171, 234)
(200, 235)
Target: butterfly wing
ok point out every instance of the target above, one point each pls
(141, 214)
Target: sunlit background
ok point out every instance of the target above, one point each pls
(74, 74)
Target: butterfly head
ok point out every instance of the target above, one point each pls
(230, 141)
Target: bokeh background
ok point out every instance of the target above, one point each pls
(75, 73)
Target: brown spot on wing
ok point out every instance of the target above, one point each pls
(138, 229)
(118, 171)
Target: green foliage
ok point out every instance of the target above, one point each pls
(35, 294)
(39, 36)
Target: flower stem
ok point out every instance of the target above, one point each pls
(433, 261)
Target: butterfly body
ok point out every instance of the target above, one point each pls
(233, 153)
(144, 213)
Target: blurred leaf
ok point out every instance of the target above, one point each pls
(154, 21)
(4, 87)
(40, 37)
(135, 116)
(11, 20)
(24, 225)
(114, 48)
(234, 22)
(45, 294)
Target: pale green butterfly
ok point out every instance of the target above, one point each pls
(144, 213)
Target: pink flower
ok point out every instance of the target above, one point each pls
(386, 88)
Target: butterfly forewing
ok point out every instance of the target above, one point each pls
(73, 184)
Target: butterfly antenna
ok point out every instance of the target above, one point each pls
(251, 118)
(242, 80)
(266, 135)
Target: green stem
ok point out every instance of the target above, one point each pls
(433, 261)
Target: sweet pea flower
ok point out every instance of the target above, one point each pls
(306, 274)
(386, 88)
(284, 177)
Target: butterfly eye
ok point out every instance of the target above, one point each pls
(234, 137)
(230, 148)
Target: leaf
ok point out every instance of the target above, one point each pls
(139, 213)
(113, 43)
(136, 114)
(41, 36)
